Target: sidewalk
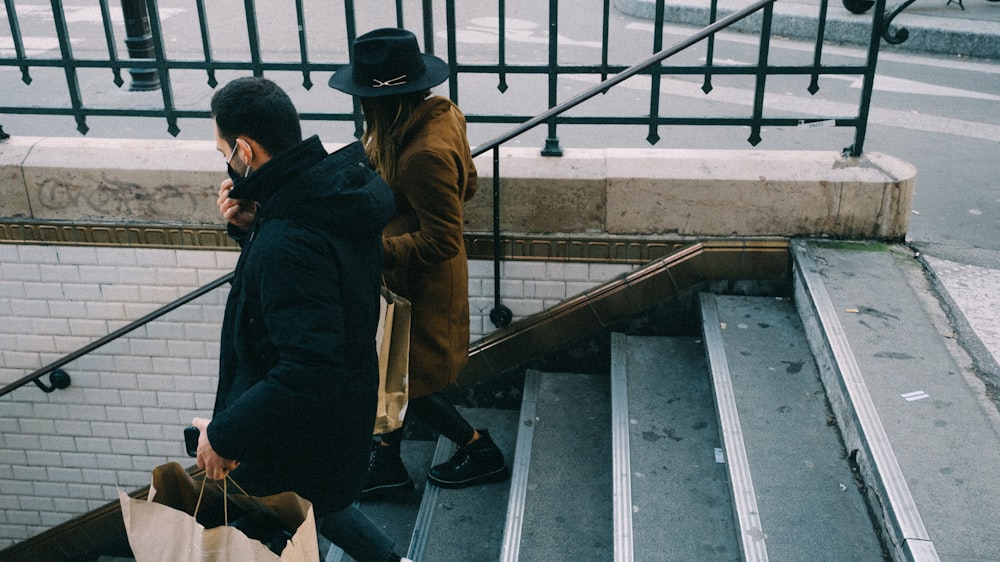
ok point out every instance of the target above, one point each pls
(934, 26)
(974, 293)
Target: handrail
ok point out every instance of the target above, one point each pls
(33, 377)
(500, 315)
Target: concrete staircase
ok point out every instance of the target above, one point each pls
(715, 449)
(832, 423)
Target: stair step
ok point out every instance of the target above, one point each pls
(808, 502)
(678, 504)
(927, 432)
(563, 493)
(466, 524)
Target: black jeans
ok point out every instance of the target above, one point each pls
(440, 415)
(358, 535)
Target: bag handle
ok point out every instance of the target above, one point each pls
(225, 496)
(387, 294)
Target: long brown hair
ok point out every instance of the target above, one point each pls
(385, 118)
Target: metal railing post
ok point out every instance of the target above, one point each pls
(139, 42)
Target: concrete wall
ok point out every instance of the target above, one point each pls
(610, 192)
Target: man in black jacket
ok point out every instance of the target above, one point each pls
(298, 370)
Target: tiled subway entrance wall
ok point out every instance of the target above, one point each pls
(63, 454)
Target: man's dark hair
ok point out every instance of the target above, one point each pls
(257, 108)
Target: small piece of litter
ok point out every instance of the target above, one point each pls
(915, 395)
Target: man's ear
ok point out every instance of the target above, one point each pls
(254, 155)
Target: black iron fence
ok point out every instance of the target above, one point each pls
(316, 44)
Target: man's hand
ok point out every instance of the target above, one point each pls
(239, 212)
(216, 467)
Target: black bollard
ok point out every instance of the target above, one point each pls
(139, 41)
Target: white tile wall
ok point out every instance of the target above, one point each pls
(63, 454)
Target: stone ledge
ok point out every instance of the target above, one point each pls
(613, 192)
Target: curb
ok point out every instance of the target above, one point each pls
(937, 35)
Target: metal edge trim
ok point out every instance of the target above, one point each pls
(816, 308)
(428, 503)
(621, 449)
(752, 536)
(511, 546)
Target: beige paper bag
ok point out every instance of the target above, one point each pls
(165, 526)
(392, 340)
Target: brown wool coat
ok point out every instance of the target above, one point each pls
(425, 257)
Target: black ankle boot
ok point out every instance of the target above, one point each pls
(477, 463)
(387, 476)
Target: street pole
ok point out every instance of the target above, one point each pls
(139, 41)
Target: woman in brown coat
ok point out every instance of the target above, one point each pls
(418, 143)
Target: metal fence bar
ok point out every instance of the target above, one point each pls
(818, 49)
(109, 37)
(206, 43)
(253, 36)
(72, 81)
(552, 139)
(502, 46)
(761, 83)
(428, 18)
(605, 39)
(452, 51)
(861, 126)
(300, 17)
(713, 14)
(163, 70)
(653, 135)
(15, 31)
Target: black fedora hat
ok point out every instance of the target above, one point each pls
(388, 62)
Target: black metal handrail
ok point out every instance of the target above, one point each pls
(56, 365)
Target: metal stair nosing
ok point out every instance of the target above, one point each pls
(621, 457)
(856, 415)
(510, 548)
(752, 536)
(425, 515)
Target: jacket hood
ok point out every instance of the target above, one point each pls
(338, 192)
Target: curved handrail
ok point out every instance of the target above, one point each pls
(33, 377)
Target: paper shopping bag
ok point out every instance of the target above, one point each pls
(392, 340)
(183, 520)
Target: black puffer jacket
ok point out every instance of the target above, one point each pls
(298, 369)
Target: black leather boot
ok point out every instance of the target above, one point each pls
(387, 476)
(477, 463)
